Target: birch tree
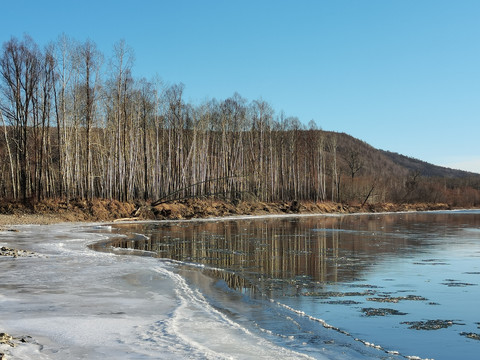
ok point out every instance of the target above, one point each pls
(90, 63)
(20, 74)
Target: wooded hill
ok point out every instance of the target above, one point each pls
(73, 128)
(427, 169)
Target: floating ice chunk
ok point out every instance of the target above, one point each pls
(103, 227)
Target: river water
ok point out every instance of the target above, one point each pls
(358, 286)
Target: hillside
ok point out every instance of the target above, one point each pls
(390, 162)
(425, 168)
(393, 163)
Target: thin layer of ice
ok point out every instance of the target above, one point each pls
(77, 303)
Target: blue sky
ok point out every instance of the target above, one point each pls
(401, 75)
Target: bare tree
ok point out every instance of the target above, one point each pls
(90, 62)
(355, 164)
(66, 67)
(20, 74)
(9, 152)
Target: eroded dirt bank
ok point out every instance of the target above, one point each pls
(55, 211)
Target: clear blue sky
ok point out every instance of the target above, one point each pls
(402, 75)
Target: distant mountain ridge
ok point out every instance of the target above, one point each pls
(378, 160)
(425, 168)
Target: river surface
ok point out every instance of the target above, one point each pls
(362, 286)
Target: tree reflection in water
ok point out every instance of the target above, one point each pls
(280, 253)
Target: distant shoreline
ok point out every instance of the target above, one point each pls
(54, 211)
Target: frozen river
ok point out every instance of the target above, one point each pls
(348, 287)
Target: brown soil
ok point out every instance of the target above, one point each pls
(55, 211)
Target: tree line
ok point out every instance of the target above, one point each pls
(78, 126)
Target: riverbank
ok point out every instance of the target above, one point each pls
(98, 210)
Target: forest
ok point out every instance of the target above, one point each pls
(77, 125)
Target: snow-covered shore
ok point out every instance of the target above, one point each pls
(70, 302)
